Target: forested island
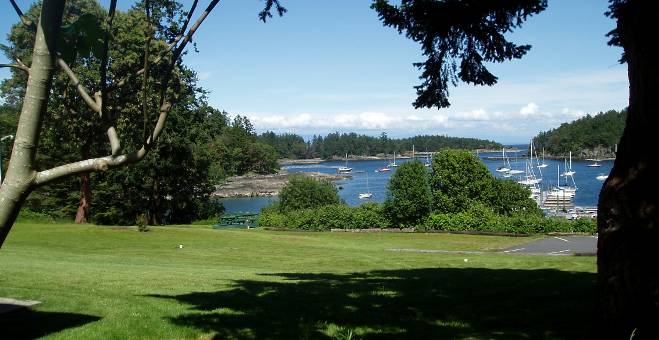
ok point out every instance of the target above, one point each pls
(587, 137)
(336, 144)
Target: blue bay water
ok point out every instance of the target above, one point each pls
(363, 170)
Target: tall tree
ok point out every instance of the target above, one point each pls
(24, 173)
(461, 34)
(408, 195)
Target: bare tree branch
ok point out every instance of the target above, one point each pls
(104, 163)
(27, 22)
(16, 66)
(79, 87)
(171, 46)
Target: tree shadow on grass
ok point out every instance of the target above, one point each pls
(26, 323)
(432, 303)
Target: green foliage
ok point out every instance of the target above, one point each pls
(337, 145)
(481, 219)
(408, 196)
(142, 222)
(458, 38)
(326, 217)
(506, 197)
(589, 136)
(303, 192)
(460, 180)
(199, 148)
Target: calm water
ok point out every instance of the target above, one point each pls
(364, 171)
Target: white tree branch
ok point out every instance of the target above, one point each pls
(79, 87)
(16, 66)
(103, 163)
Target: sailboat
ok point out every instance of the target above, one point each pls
(568, 170)
(560, 196)
(344, 169)
(602, 177)
(513, 171)
(366, 195)
(595, 164)
(503, 168)
(393, 164)
(543, 164)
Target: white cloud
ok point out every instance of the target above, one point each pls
(370, 120)
(473, 115)
(530, 109)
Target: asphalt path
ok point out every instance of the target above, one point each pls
(558, 245)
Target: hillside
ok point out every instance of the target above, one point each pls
(587, 137)
(337, 145)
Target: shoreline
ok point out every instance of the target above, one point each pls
(264, 185)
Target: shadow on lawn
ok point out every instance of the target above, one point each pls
(428, 303)
(26, 323)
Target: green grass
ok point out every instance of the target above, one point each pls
(116, 283)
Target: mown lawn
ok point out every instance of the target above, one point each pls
(105, 283)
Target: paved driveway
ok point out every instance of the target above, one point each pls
(558, 245)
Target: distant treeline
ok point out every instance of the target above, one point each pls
(590, 136)
(337, 145)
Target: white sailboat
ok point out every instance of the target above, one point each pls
(344, 169)
(602, 177)
(504, 168)
(513, 171)
(595, 164)
(543, 164)
(393, 164)
(568, 170)
(368, 194)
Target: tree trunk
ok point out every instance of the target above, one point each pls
(628, 215)
(85, 199)
(156, 208)
(21, 173)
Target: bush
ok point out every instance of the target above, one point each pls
(335, 216)
(304, 192)
(408, 197)
(460, 180)
(482, 219)
(142, 223)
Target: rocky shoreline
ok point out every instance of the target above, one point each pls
(264, 185)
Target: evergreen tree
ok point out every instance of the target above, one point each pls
(408, 195)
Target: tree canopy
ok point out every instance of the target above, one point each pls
(458, 37)
(588, 135)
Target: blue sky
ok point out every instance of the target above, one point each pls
(331, 66)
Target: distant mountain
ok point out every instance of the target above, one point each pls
(587, 137)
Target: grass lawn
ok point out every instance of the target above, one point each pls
(117, 283)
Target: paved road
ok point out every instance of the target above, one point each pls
(558, 245)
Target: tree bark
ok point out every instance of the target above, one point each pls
(85, 199)
(19, 181)
(628, 215)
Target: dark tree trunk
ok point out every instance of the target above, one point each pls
(85, 186)
(628, 215)
(85, 199)
(156, 209)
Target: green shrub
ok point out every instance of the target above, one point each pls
(303, 192)
(324, 218)
(408, 197)
(142, 223)
(482, 219)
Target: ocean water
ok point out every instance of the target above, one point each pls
(364, 175)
